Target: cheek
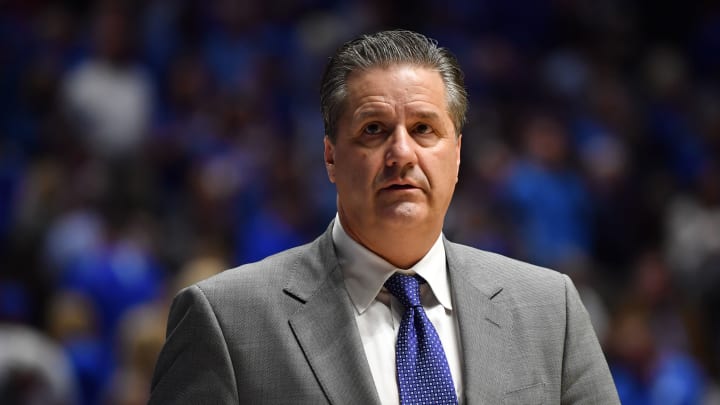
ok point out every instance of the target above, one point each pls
(363, 165)
(443, 173)
(356, 170)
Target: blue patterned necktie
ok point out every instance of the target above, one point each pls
(422, 368)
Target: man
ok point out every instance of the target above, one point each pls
(328, 322)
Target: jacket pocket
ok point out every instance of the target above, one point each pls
(532, 395)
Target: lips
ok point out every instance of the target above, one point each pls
(395, 183)
(399, 187)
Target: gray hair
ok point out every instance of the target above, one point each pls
(384, 49)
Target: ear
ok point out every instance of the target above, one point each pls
(329, 158)
(459, 144)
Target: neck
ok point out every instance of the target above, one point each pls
(401, 248)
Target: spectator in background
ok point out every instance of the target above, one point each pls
(119, 275)
(693, 232)
(550, 201)
(141, 334)
(692, 242)
(650, 343)
(645, 374)
(109, 97)
(73, 322)
(139, 339)
(33, 369)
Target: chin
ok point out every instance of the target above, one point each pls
(404, 215)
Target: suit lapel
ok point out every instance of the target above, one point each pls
(484, 327)
(325, 327)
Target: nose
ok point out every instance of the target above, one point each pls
(401, 148)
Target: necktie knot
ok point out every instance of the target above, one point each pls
(405, 288)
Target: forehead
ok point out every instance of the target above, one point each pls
(396, 84)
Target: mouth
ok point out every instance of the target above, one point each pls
(399, 187)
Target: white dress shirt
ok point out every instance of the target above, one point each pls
(378, 313)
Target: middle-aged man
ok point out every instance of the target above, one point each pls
(381, 308)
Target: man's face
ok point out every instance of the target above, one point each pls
(395, 159)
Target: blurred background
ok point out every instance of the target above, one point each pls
(146, 145)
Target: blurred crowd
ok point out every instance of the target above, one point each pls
(145, 145)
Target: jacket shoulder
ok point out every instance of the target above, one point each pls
(494, 268)
(267, 271)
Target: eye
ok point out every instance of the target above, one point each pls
(423, 129)
(372, 129)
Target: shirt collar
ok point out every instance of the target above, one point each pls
(365, 272)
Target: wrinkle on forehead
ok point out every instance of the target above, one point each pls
(397, 86)
(410, 74)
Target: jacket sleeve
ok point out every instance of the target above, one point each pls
(194, 365)
(586, 378)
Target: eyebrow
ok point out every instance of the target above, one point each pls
(426, 114)
(369, 113)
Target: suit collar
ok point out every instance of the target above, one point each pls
(483, 320)
(365, 272)
(325, 326)
(472, 265)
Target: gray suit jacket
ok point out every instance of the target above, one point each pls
(283, 331)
